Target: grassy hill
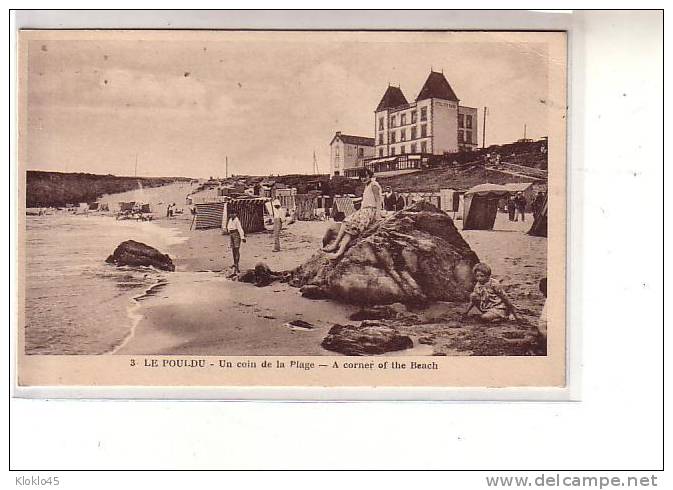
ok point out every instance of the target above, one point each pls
(56, 189)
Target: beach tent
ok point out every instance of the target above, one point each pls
(93, 206)
(539, 227)
(250, 213)
(286, 196)
(209, 215)
(306, 206)
(126, 206)
(343, 205)
(481, 206)
(145, 208)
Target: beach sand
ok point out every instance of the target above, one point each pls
(202, 312)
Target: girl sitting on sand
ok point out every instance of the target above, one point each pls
(489, 297)
(359, 221)
(236, 234)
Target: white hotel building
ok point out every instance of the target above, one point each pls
(435, 123)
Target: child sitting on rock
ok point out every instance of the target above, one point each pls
(489, 297)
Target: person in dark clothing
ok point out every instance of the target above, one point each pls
(511, 207)
(520, 202)
(538, 203)
(400, 202)
(389, 199)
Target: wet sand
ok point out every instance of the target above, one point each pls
(202, 312)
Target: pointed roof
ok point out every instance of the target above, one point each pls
(350, 139)
(437, 87)
(392, 98)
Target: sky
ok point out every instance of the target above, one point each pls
(265, 101)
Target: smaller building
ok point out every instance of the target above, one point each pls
(348, 151)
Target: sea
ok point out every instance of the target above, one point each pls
(75, 302)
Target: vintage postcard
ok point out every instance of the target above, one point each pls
(292, 209)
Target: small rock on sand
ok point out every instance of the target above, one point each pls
(368, 338)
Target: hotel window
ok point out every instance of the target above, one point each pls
(424, 146)
(468, 136)
(403, 150)
(413, 117)
(413, 133)
(392, 136)
(413, 148)
(403, 119)
(403, 135)
(361, 152)
(380, 152)
(424, 113)
(380, 123)
(336, 152)
(461, 120)
(461, 138)
(392, 121)
(424, 130)
(380, 138)
(468, 121)
(392, 151)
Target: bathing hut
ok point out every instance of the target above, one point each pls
(481, 206)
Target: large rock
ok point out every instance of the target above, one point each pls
(414, 256)
(135, 253)
(366, 339)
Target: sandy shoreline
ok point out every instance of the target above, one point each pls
(201, 312)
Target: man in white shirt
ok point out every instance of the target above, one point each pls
(236, 234)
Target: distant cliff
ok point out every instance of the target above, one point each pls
(55, 189)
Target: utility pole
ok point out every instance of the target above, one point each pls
(135, 173)
(226, 167)
(524, 131)
(315, 164)
(483, 133)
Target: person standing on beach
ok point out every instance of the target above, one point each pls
(390, 199)
(520, 202)
(277, 224)
(236, 234)
(511, 207)
(359, 221)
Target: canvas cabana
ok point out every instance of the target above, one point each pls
(344, 205)
(250, 213)
(306, 206)
(480, 206)
(209, 215)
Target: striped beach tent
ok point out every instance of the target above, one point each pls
(306, 206)
(250, 213)
(344, 205)
(209, 215)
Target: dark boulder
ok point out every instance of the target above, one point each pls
(134, 253)
(366, 339)
(414, 256)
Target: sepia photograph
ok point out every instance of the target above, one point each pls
(209, 198)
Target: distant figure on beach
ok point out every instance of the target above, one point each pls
(359, 221)
(236, 234)
(390, 199)
(511, 207)
(400, 202)
(277, 224)
(489, 297)
(520, 202)
(538, 203)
